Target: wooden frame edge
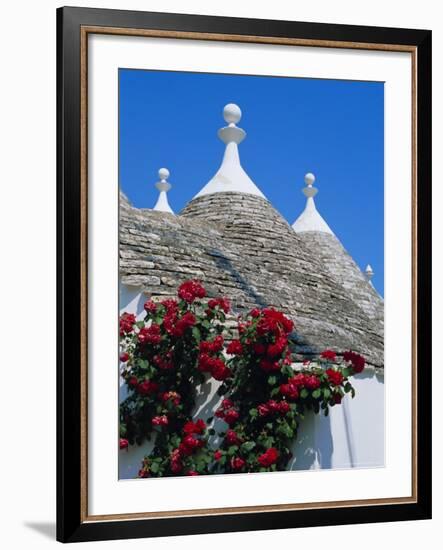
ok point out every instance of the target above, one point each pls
(85, 30)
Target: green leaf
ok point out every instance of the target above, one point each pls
(316, 393)
(304, 393)
(211, 431)
(347, 387)
(253, 413)
(326, 393)
(196, 334)
(247, 446)
(154, 467)
(140, 324)
(232, 450)
(272, 380)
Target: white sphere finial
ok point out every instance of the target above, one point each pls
(369, 273)
(309, 179)
(232, 113)
(162, 204)
(163, 174)
(309, 191)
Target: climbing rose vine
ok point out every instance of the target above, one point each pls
(181, 343)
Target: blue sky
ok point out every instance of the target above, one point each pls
(332, 128)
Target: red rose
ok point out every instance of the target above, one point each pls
(192, 473)
(290, 391)
(328, 354)
(188, 428)
(147, 387)
(189, 444)
(312, 382)
(235, 348)
(185, 449)
(150, 306)
(124, 357)
(213, 346)
(176, 463)
(132, 381)
(190, 291)
(232, 438)
(273, 321)
(127, 322)
(225, 406)
(284, 407)
(172, 396)
(150, 335)
(255, 313)
(274, 350)
(222, 303)
(263, 409)
(171, 306)
(124, 443)
(231, 416)
(269, 457)
(298, 380)
(337, 398)
(358, 361)
(164, 362)
(269, 366)
(194, 427)
(227, 403)
(143, 473)
(217, 455)
(160, 420)
(237, 463)
(187, 321)
(219, 370)
(334, 376)
(273, 406)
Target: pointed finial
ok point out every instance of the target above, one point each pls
(231, 133)
(369, 273)
(163, 186)
(310, 219)
(231, 177)
(309, 190)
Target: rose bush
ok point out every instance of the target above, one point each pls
(180, 343)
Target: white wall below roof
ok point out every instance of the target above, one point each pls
(352, 436)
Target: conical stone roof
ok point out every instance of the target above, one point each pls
(242, 248)
(254, 258)
(317, 236)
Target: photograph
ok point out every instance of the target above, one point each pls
(251, 274)
(244, 250)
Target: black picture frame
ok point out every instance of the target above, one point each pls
(71, 524)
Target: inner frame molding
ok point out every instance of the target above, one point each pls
(85, 31)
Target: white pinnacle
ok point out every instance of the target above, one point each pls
(310, 219)
(163, 186)
(230, 176)
(369, 273)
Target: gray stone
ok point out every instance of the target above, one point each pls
(242, 248)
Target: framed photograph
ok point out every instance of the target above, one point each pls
(244, 274)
